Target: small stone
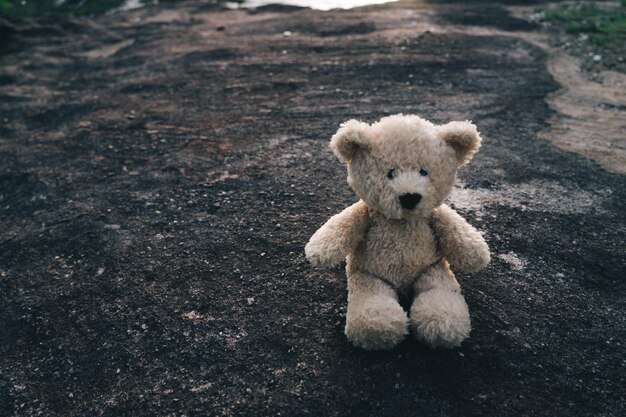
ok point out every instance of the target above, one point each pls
(192, 315)
(250, 301)
(597, 58)
(287, 33)
(284, 52)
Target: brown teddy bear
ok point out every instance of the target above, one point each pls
(400, 237)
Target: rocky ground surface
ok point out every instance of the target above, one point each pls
(162, 169)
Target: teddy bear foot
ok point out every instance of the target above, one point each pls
(376, 323)
(440, 318)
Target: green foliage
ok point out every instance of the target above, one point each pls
(603, 25)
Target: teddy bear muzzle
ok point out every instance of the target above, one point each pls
(410, 200)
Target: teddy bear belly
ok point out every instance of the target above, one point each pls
(398, 258)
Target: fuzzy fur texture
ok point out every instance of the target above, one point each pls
(392, 248)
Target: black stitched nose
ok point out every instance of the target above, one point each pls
(409, 201)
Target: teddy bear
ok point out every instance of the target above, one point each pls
(400, 238)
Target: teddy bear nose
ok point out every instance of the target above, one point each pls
(409, 201)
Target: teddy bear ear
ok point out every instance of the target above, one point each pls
(351, 136)
(463, 137)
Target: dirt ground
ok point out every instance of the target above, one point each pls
(162, 169)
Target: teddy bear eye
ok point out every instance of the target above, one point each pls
(423, 172)
(391, 174)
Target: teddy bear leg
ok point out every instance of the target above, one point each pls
(374, 319)
(439, 314)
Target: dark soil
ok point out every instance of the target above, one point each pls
(156, 196)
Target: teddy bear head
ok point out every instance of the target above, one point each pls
(404, 166)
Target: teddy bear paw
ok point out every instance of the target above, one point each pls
(379, 324)
(320, 256)
(440, 318)
(479, 260)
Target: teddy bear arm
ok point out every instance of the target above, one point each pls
(462, 245)
(338, 236)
